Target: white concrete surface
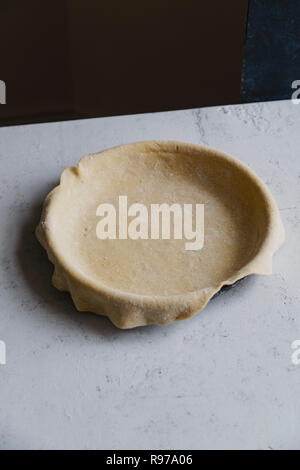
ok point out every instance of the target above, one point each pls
(223, 379)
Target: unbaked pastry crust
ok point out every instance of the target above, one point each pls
(139, 282)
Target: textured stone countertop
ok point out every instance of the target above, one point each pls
(223, 379)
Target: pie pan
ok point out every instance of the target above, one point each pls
(136, 282)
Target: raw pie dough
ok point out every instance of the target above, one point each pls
(138, 282)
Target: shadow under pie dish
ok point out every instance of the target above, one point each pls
(136, 282)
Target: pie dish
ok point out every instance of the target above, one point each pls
(157, 281)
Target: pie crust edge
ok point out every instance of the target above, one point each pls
(127, 310)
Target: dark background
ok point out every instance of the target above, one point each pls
(68, 59)
(272, 50)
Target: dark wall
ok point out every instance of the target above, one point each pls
(35, 60)
(140, 56)
(65, 59)
(272, 51)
